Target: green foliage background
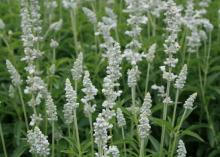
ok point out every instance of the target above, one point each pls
(202, 134)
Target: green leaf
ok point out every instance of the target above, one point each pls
(192, 134)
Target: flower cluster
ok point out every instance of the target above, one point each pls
(133, 76)
(70, 4)
(101, 127)
(113, 152)
(120, 118)
(181, 79)
(71, 104)
(194, 21)
(15, 76)
(189, 102)
(90, 92)
(144, 126)
(77, 69)
(181, 150)
(38, 142)
(151, 53)
(136, 10)
(90, 15)
(51, 109)
(56, 26)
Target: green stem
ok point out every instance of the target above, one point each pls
(175, 107)
(77, 133)
(91, 132)
(177, 132)
(142, 149)
(123, 137)
(73, 23)
(53, 144)
(3, 141)
(133, 93)
(165, 116)
(147, 77)
(23, 107)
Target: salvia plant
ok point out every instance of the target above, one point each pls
(114, 78)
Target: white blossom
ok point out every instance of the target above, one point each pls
(11, 91)
(35, 119)
(181, 78)
(120, 118)
(151, 53)
(36, 85)
(160, 89)
(90, 92)
(136, 10)
(15, 76)
(71, 103)
(2, 24)
(56, 26)
(70, 4)
(145, 112)
(189, 102)
(101, 127)
(181, 149)
(167, 75)
(144, 126)
(90, 15)
(51, 109)
(54, 44)
(147, 104)
(77, 69)
(38, 142)
(133, 76)
(167, 100)
(113, 151)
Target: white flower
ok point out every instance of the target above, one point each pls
(77, 69)
(90, 15)
(133, 76)
(144, 126)
(15, 76)
(71, 103)
(111, 14)
(113, 151)
(120, 118)
(35, 18)
(56, 26)
(151, 53)
(169, 76)
(145, 112)
(35, 119)
(132, 56)
(69, 4)
(36, 85)
(181, 79)
(2, 24)
(38, 142)
(89, 109)
(136, 10)
(11, 91)
(101, 127)
(160, 89)
(146, 106)
(54, 44)
(189, 102)
(89, 89)
(181, 149)
(90, 92)
(51, 109)
(167, 100)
